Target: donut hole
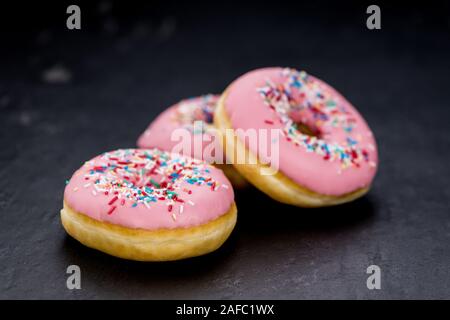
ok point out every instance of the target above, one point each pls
(304, 123)
(306, 130)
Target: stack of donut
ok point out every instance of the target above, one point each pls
(154, 204)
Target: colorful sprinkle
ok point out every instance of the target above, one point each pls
(112, 200)
(111, 210)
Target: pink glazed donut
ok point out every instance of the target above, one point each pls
(327, 153)
(195, 117)
(149, 205)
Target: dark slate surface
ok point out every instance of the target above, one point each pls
(66, 96)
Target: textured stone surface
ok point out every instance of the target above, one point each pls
(67, 96)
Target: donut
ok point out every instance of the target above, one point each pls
(149, 205)
(195, 116)
(327, 152)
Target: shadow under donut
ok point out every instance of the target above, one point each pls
(102, 270)
(259, 213)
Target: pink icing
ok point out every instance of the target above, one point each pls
(182, 116)
(343, 156)
(149, 189)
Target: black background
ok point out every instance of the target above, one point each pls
(131, 60)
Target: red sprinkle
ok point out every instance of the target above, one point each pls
(113, 200)
(112, 209)
(170, 207)
(268, 121)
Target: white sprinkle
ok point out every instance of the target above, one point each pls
(372, 164)
(75, 189)
(191, 202)
(181, 209)
(224, 186)
(174, 217)
(94, 193)
(149, 165)
(371, 146)
(147, 205)
(87, 185)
